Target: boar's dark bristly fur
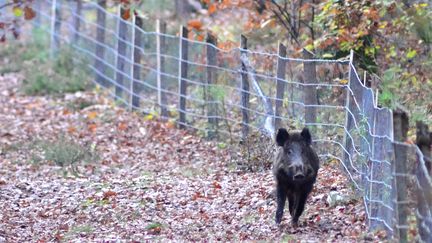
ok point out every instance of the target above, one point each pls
(295, 169)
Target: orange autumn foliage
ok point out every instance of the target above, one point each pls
(195, 24)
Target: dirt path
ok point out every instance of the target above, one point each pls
(153, 182)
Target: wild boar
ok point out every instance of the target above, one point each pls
(295, 170)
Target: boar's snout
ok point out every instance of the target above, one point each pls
(299, 176)
(297, 172)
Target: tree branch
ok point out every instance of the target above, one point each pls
(285, 19)
(293, 36)
(312, 21)
(6, 5)
(16, 3)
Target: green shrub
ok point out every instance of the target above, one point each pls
(66, 73)
(66, 152)
(16, 54)
(79, 104)
(62, 75)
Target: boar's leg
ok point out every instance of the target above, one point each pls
(301, 201)
(281, 198)
(291, 200)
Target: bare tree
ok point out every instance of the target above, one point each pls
(289, 15)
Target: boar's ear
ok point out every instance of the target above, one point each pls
(281, 136)
(306, 135)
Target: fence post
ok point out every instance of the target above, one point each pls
(161, 84)
(121, 53)
(136, 68)
(280, 84)
(424, 142)
(211, 80)
(400, 126)
(424, 189)
(183, 71)
(77, 20)
(100, 40)
(244, 92)
(55, 26)
(310, 94)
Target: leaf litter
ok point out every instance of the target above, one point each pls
(152, 182)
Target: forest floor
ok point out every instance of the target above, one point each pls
(151, 181)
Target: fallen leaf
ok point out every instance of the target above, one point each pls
(92, 115)
(71, 129)
(109, 194)
(17, 11)
(66, 112)
(212, 8)
(122, 126)
(217, 185)
(126, 14)
(29, 13)
(92, 127)
(148, 117)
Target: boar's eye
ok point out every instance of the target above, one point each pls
(289, 151)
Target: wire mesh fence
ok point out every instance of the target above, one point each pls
(232, 93)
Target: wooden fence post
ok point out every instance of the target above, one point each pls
(400, 126)
(183, 73)
(136, 68)
(121, 53)
(424, 189)
(100, 40)
(424, 142)
(161, 84)
(211, 80)
(280, 84)
(310, 94)
(77, 20)
(245, 92)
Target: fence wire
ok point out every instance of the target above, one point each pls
(154, 72)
